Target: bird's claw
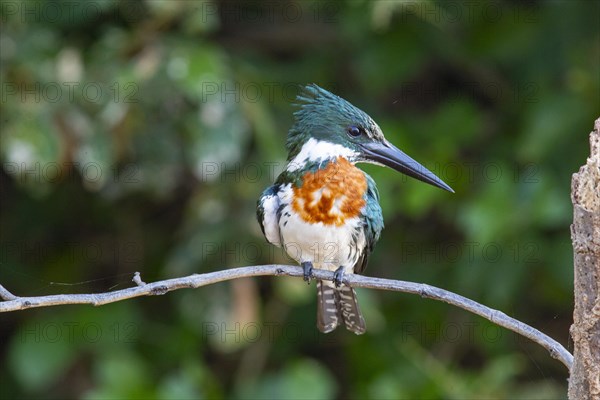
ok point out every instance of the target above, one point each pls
(307, 267)
(338, 276)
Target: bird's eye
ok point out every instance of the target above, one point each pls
(354, 131)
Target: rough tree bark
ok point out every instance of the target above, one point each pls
(584, 382)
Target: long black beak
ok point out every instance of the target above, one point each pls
(389, 155)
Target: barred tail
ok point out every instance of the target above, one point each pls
(336, 305)
(351, 314)
(328, 312)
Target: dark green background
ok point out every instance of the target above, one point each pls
(137, 136)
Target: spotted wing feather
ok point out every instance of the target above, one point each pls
(268, 211)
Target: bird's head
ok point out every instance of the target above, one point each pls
(328, 126)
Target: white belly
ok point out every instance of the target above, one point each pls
(326, 246)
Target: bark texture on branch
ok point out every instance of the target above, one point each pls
(584, 382)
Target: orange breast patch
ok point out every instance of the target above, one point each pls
(332, 194)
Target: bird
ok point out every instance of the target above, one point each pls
(322, 209)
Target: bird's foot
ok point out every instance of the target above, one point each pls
(307, 267)
(338, 276)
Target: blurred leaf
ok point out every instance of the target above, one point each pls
(39, 354)
(302, 379)
(120, 375)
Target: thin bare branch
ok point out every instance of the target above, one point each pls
(6, 295)
(14, 303)
(137, 278)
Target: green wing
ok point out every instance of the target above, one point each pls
(372, 223)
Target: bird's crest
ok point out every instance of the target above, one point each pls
(320, 113)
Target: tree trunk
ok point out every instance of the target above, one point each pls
(584, 382)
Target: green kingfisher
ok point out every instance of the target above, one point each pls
(323, 210)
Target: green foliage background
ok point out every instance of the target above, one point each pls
(176, 122)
